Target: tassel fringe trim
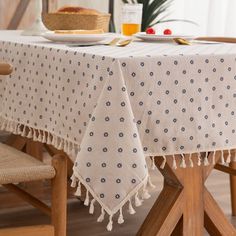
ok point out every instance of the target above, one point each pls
(39, 135)
(135, 199)
(186, 160)
(137, 196)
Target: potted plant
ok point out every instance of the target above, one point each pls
(154, 12)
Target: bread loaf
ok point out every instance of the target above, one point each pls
(98, 31)
(78, 10)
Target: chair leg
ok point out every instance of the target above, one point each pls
(59, 195)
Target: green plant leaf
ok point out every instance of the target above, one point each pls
(174, 20)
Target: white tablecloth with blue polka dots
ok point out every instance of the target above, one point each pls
(118, 105)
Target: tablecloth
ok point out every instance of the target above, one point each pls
(110, 107)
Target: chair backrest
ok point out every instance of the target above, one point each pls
(5, 69)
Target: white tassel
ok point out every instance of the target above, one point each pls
(86, 201)
(214, 157)
(121, 218)
(3, 126)
(49, 139)
(137, 201)
(16, 128)
(66, 147)
(174, 164)
(109, 226)
(61, 144)
(30, 134)
(199, 159)
(73, 181)
(11, 128)
(222, 157)
(24, 131)
(206, 162)
(44, 137)
(91, 208)
(150, 182)
(131, 209)
(190, 160)
(228, 160)
(182, 163)
(54, 141)
(57, 142)
(145, 194)
(7, 126)
(70, 148)
(153, 163)
(73, 152)
(78, 191)
(39, 139)
(101, 217)
(162, 166)
(34, 135)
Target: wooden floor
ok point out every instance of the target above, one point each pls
(82, 224)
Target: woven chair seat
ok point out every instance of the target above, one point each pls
(16, 167)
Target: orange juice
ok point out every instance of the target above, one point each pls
(130, 29)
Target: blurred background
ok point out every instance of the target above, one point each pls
(213, 17)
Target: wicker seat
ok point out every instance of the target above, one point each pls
(17, 167)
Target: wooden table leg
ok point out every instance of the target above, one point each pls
(157, 217)
(180, 208)
(233, 189)
(215, 221)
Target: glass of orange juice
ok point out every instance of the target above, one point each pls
(131, 19)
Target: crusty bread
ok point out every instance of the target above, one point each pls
(98, 31)
(78, 10)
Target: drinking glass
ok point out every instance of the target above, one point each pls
(131, 19)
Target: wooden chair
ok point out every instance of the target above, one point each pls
(17, 167)
(5, 69)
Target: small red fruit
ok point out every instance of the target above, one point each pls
(150, 31)
(167, 32)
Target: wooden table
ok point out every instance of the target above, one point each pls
(185, 206)
(188, 205)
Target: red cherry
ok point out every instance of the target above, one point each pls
(167, 32)
(150, 31)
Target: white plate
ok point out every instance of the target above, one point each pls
(156, 37)
(75, 38)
